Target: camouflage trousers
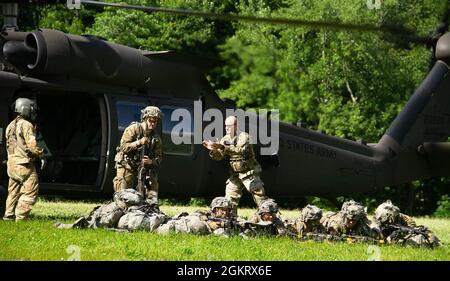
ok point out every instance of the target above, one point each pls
(127, 178)
(239, 181)
(23, 188)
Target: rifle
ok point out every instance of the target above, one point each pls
(142, 172)
(341, 238)
(403, 234)
(391, 228)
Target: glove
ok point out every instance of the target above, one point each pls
(141, 142)
(144, 141)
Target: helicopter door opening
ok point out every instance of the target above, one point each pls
(70, 130)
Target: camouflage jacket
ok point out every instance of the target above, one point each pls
(302, 228)
(406, 220)
(21, 142)
(239, 152)
(277, 227)
(333, 223)
(128, 152)
(409, 235)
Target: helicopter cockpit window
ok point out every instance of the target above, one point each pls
(169, 147)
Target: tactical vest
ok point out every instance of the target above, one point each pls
(241, 162)
(133, 158)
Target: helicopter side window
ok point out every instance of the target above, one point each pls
(169, 147)
(128, 112)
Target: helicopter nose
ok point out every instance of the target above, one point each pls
(443, 48)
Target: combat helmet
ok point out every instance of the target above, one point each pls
(311, 213)
(268, 206)
(387, 212)
(220, 202)
(26, 108)
(150, 111)
(353, 210)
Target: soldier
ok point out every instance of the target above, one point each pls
(351, 220)
(398, 228)
(309, 221)
(194, 223)
(140, 145)
(221, 208)
(217, 221)
(23, 150)
(244, 170)
(128, 211)
(268, 214)
(388, 213)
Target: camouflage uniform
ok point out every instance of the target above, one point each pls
(138, 219)
(388, 213)
(309, 221)
(230, 225)
(129, 211)
(336, 223)
(128, 156)
(104, 216)
(398, 228)
(274, 227)
(185, 223)
(204, 222)
(23, 186)
(244, 169)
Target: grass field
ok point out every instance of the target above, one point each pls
(37, 239)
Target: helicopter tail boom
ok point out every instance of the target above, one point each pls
(415, 145)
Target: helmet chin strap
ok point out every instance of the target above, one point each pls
(147, 130)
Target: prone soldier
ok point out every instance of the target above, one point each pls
(127, 212)
(351, 220)
(398, 228)
(309, 221)
(268, 214)
(217, 221)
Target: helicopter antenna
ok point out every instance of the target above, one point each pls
(10, 11)
(397, 30)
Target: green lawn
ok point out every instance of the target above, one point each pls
(37, 239)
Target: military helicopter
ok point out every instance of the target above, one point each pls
(88, 90)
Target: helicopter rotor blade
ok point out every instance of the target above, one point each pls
(405, 33)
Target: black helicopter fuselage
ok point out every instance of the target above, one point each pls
(88, 90)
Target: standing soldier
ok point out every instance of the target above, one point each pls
(245, 170)
(140, 147)
(22, 150)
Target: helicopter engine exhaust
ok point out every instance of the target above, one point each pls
(19, 53)
(51, 52)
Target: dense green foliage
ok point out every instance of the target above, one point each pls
(38, 239)
(347, 84)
